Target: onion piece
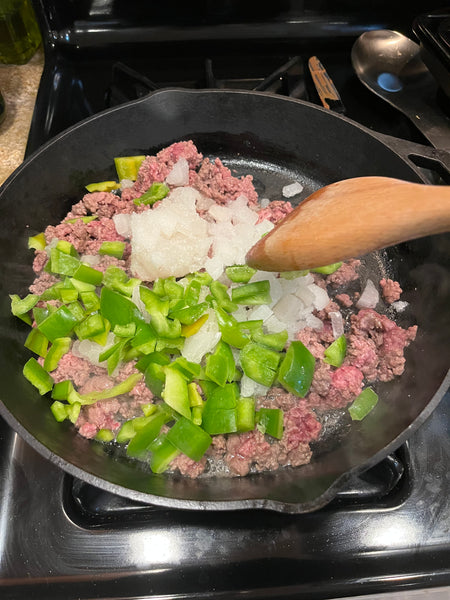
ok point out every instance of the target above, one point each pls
(179, 175)
(337, 323)
(370, 296)
(292, 189)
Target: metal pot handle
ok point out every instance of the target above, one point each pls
(425, 157)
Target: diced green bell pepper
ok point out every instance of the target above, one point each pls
(363, 404)
(38, 376)
(37, 242)
(90, 327)
(334, 355)
(21, 307)
(127, 167)
(57, 350)
(58, 324)
(104, 435)
(117, 309)
(220, 365)
(116, 279)
(190, 439)
(219, 292)
(245, 414)
(163, 453)
(37, 342)
(102, 186)
(327, 269)
(270, 421)
(156, 192)
(297, 369)
(143, 437)
(219, 412)
(240, 273)
(276, 341)
(115, 249)
(260, 363)
(252, 293)
(175, 392)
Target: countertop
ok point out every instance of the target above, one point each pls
(18, 85)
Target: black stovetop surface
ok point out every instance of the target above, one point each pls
(389, 529)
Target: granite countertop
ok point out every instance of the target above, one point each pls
(18, 85)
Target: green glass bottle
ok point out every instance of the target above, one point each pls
(19, 32)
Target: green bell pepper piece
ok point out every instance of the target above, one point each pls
(124, 387)
(276, 341)
(104, 435)
(38, 376)
(245, 414)
(188, 438)
(219, 412)
(163, 453)
(219, 292)
(102, 186)
(189, 314)
(62, 389)
(117, 309)
(230, 329)
(240, 273)
(57, 350)
(37, 342)
(175, 392)
(327, 269)
(297, 369)
(334, 355)
(90, 327)
(220, 365)
(143, 437)
(115, 249)
(252, 293)
(127, 167)
(21, 307)
(116, 279)
(363, 404)
(90, 301)
(37, 242)
(270, 421)
(156, 192)
(59, 410)
(88, 274)
(192, 292)
(260, 363)
(58, 324)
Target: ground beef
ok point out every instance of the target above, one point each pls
(215, 181)
(275, 211)
(391, 290)
(253, 451)
(379, 333)
(42, 282)
(346, 273)
(188, 467)
(344, 299)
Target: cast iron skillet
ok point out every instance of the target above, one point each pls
(278, 140)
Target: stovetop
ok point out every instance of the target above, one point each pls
(389, 529)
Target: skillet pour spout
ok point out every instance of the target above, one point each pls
(277, 140)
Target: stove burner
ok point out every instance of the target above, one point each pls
(129, 84)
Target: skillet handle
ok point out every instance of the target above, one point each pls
(425, 157)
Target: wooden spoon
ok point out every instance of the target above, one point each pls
(349, 219)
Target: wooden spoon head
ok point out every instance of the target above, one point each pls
(339, 221)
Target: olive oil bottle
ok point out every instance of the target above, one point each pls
(19, 32)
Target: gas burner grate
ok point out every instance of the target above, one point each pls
(128, 83)
(383, 486)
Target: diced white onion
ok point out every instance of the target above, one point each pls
(122, 223)
(179, 175)
(370, 296)
(251, 388)
(292, 189)
(337, 323)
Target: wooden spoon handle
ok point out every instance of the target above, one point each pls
(351, 218)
